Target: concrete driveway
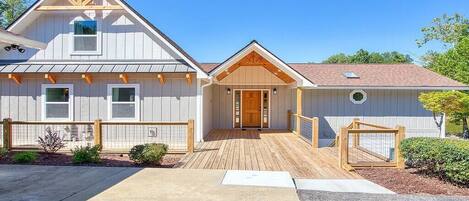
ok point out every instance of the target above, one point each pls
(97, 183)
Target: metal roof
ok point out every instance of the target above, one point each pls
(96, 68)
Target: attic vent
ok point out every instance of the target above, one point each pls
(351, 75)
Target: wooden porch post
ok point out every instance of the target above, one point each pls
(315, 133)
(98, 136)
(343, 148)
(400, 135)
(289, 120)
(7, 136)
(190, 136)
(356, 136)
(299, 109)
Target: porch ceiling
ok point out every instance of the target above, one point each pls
(254, 59)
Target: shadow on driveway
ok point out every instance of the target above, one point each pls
(27, 182)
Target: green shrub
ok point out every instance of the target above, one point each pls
(148, 153)
(86, 154)
(3, 152)
(25, 157)
(448, 158)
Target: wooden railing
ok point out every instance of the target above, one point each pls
(369, 145)
(112, 136)
(306, 128)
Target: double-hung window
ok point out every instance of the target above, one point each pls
(57, 102)
(123, 101)
(85, 37)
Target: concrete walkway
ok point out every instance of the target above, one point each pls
(97, 183)
(188, 184)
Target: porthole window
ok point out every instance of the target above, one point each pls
(358, 96)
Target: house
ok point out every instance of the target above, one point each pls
(105, 61)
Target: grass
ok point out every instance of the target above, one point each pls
(453, 128)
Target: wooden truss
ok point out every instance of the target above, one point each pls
(79, 5)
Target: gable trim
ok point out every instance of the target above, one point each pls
(158, 33)
(269, 56)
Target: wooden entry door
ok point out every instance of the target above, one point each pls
(251, 107)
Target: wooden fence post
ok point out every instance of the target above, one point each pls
(299, 109)
(289, 120)
(98, 135)
(315, 133)
(356, 136)
(190, 136)
(400, 135)
(343, 146)
(7, 135)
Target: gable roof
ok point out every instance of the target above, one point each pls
(158, 33)
(254, 46)
(370, 76)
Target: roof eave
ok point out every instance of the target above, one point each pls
(459, 88)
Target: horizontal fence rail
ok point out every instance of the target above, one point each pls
(306, 128)
(368, 145)
(112, 136)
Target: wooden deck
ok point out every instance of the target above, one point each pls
(270, 150)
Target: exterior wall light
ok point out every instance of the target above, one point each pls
(228, 91)
(275, 91)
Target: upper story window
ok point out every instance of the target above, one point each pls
(123, 101)
(57, 102)
(85, 37)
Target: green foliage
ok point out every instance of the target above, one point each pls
(453, 128)
(3, 152)
(365, 57)
(86, 154)
(447, 29)
(148, 153)
(11, 9)
(447, 158)
(25, 157)
(454, 63)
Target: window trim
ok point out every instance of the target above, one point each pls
(72, 35)
(44, 87)
(365, 97)
(137, 101)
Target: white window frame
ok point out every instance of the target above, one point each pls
(269, 109)
(44, 87)
(137, 101)
(365, 96)
(98, 38)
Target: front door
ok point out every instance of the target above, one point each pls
(251, 115)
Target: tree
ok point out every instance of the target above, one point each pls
(364, 57)
(11, 9)
(447, 29)
(454, 104)
(454, 63)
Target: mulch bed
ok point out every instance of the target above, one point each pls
(107, 160)
(412, 181)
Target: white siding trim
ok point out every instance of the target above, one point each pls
(137, 101)
(70, 102)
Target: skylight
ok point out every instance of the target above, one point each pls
(350, 75)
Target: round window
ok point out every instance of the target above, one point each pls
(358, 96)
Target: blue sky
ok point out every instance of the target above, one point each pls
(296, 30)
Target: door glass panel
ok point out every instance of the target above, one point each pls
(265, 109)
(237, 109)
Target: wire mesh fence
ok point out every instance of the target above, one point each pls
(306, 129)
(125, 136)
(1, 135)
(371, 147)
(27, 135)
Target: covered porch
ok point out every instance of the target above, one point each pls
(266, 150)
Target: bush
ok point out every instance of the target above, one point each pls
(51, 142)
(86, 154)
(25, 157)
(3, 152)
(148, 153)
(448, 158)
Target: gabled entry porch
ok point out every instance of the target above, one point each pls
(267, 150)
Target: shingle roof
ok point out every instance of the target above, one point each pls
(370, 75)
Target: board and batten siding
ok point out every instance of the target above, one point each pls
(123, 38)
(383, 107)
(173, 101)
(222, 105)
(207, 113)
